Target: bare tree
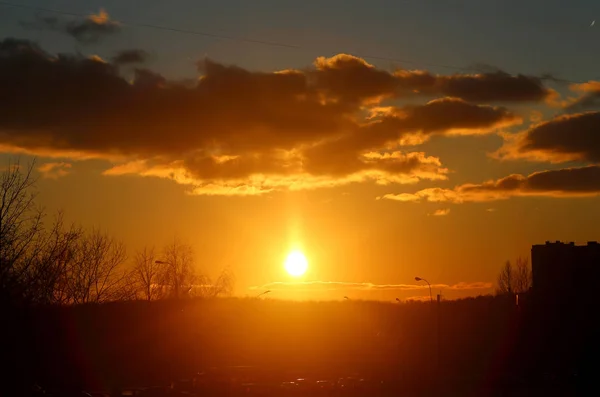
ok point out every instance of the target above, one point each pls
(20, 226)
(178, 273)
(506, 279)
(515, 279)
(221, 286)
(94, 269)
(45, 280)
(147, 275)
(522, 275)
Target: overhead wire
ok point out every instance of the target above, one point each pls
(267, 43)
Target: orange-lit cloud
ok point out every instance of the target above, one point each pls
(418, 298)
(441, 212)
(564, 138)
(341, 285)
(568, 182)
(232, 131)
(54, 170)
(589, 96)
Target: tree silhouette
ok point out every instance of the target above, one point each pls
(147, 275)
(94, 271)
(178, 272)
(20, 227)
(69, 265)
(514, 279)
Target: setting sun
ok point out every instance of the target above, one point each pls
(296, 264)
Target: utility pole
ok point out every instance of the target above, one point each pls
(439, 337)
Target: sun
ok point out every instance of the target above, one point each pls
(296, 264)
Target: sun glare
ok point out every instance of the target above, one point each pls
(296, 264)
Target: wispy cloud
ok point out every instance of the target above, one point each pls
(342, 285)
(54, 170)
(441, 212)
(419, 298)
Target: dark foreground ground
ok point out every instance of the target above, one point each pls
(476, 347)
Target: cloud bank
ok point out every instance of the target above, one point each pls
(240, 132)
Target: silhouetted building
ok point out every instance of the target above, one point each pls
(565, 270)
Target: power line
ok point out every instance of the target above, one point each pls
(150, 26)
(262, 42)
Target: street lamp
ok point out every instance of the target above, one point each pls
(422, 279)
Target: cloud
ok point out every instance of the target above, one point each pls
(125, 57)
(409, 125)
(567, 182)
(87, 31)
(54, 170)
(565, 138)
(342, 285)
(418, 298)
(349, 78)
(441, 212)
(231, 131)
(589, 97)
(495, 86)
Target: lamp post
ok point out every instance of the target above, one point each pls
(438, 336)
(430, 294)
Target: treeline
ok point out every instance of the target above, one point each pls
(44, 261)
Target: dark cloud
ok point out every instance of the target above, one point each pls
(348, 78)
(130, 56)
(231, 131)
(87, 31)
(496, 86)
(567, 182)
(145, 78)
(409, 125)
(564, 138)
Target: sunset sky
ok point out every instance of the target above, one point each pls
(383, 139)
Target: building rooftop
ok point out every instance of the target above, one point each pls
(572, 244)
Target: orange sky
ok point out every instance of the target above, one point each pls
(377, 174)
